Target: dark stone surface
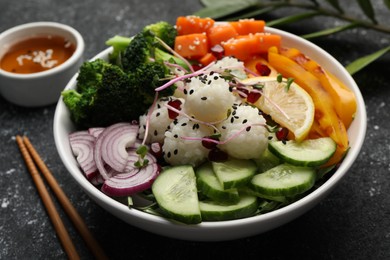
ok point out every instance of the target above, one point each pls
(353, 222)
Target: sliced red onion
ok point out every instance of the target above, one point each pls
(133, 157)
(97, 156)
(82, 145)
(115, 139)
(126, 184)
(95, 131)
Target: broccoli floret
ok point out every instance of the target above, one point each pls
(163, 30)
(123, 88)
(130, 53)
(111, 95)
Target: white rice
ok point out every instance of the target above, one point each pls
(248, 128)
(178, 150)
(158, 123)
(208, 97)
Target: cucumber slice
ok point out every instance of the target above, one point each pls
(234, 173)
(250, 191)
(209, 185)
(284, 180)
(214, 211)
(176, 194)
(312, 152)
(267, 161)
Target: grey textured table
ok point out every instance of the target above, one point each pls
(352, 223)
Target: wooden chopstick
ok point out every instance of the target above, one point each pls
(91, 242)
(48, 202)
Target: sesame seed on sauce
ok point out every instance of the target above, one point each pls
(191, 92)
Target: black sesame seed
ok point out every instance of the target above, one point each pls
(185, 91)
(184, 124)
(175, 151)
(203, 98)
(248, 128)
(232, 120)
(223, 127)
(191, 91)
(209, 82)
(216, 77)
(244, 121)
(158, 114)
(155, 132)
(169, 154)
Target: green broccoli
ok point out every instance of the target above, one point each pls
(105, 94)
(129, 53)
(163, 30)
(122, 88)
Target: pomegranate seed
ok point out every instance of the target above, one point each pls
(156, 150)
(244, 92)
(217, 155)
(263, 69)
(197, 66)
(282, 133)
(209, 144)
(253, 97)
(176, 104)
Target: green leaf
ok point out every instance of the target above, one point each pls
(362, 62)
(221, 2)
(224, 8)
(292, 18)
(336, 5)
(368, 10)
(330, 31)
(252, 14)
(387, 3)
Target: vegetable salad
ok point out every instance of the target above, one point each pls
(208, 121)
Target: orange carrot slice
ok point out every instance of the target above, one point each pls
(221, 33)
(192, 46)
(193, 24)
(207, 59)
(248, 26)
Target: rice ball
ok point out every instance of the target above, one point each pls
(159, 121)
(178, 150)
(244, 132)
(208, 97)
(235, 66)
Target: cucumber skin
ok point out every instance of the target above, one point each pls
(203, 173)
(220, 215)
(251, 165)
(192, 218)
(277, 149)
(257, 186)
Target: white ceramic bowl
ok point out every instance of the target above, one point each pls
(41, 88)
(224, 230)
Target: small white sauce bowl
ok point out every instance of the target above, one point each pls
(41, 88)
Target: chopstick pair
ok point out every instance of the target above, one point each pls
(32, 158)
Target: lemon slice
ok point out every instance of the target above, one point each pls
(290, 107)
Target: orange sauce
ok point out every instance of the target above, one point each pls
(37, 54)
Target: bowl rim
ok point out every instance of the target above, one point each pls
(289, 210)
(79, 41)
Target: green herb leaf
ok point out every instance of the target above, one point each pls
(362, 62)
(368, 10)
(252, 13)
(225, 8)
(330, 31)
(336, 5)
(387, 3)
(292, 18)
